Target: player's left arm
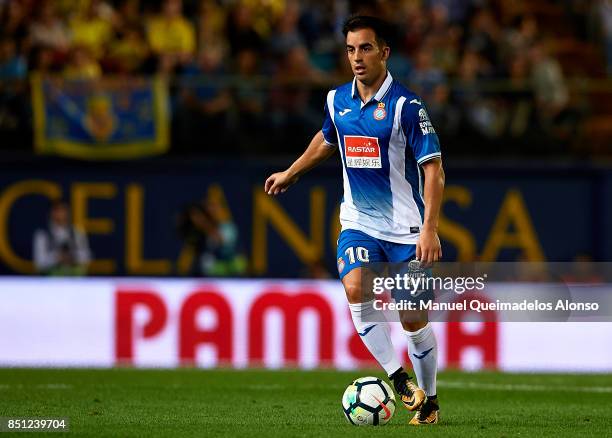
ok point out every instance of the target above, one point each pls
(423, 140)
(428, 248)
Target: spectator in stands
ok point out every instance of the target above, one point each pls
(249, 100)
(318, 25)
(241, 31)
(12, 64)
(519, 38)
(211, 22)
(457, 10)
(484, 36)
(60, 249)
(478, 112)
(291, 113)
(14, 22)
(92, 28)
(82, 65)
(171, 36)
(414, 34)
(205, 101)
(426, 76)
(552, 95)
(13, 70)
(286, 35)
(443, 113)
(604, 8)
(42, 60)
(49, 30)
(128, 14)
(129, 51)
(519, 101)
(443, 40)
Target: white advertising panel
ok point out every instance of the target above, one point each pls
(241, 323)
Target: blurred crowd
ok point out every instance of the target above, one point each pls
(254, 64)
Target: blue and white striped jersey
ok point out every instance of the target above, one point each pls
(382, 144)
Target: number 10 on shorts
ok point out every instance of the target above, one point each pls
(361, 253)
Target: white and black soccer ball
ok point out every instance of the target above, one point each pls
(368, 401)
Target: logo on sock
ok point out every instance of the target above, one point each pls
(422, 355)
(366, 331)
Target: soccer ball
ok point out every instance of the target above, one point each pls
(368, 401)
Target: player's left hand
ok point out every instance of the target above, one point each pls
(428, 248)
(279, 182)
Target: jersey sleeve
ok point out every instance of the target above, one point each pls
(419, 131)
(329, 129)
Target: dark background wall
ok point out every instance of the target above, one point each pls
(511, 211)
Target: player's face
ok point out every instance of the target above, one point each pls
(367, 58)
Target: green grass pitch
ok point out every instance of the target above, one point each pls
(257, 403)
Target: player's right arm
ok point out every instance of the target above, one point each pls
(317, 151)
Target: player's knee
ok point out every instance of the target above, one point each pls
(413, 326)
(353, 292)
(413, 321)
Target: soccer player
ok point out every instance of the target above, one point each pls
(393, 184)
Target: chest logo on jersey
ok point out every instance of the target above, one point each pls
(380, 112)
(362, 152)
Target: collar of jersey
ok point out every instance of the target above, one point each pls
(380, 94)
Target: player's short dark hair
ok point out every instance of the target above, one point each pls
(381, 28)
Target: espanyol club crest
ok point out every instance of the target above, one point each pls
(340, 264)
(379, 112)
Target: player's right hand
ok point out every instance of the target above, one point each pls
(279, 183)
